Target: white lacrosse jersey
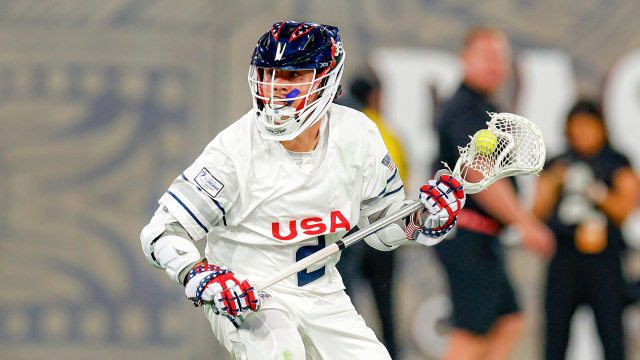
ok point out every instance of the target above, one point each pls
(260, 212)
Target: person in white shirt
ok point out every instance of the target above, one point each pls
(293, 175)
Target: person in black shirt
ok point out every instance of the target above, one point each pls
(486, 318)
(584, 195)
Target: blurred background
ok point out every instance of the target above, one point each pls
(104, 102)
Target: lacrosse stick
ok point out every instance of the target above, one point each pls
(516, 148)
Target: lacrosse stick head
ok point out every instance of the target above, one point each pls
(516, 148)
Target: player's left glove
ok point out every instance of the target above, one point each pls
(443, 198)
(228, 293)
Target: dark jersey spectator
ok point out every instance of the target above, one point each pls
(584, 195)
(486, 318)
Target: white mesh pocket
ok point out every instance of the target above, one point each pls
(514, 146)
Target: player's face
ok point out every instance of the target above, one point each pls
(284, 82)
(487, 62)
(586, 134)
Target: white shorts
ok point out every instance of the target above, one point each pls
(299, 327)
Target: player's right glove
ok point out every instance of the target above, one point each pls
(443, 198)
(228, 293)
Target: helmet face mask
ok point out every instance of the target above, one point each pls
(286, 105)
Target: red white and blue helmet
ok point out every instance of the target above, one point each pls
(293, 45)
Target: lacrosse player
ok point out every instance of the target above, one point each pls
(293, 175)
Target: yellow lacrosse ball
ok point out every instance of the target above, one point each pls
(485, 141)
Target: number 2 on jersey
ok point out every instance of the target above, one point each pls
(305, 277)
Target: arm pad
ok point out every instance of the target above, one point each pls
(374, 240)
(166, 246)
(148, 238)
(391, 236)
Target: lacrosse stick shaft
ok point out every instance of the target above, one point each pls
(335, 247)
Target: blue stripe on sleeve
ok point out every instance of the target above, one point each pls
(189, 211)
(224, 219)
(393, 176)
(394, 191)
(388, 181)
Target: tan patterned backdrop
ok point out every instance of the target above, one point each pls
(103, 102)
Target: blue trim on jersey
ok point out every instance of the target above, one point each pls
(184, 177)
(189, 211)
(388, 181)
(394, 191)
(224, 220)
(392, 176)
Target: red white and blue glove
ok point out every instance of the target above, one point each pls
(443, 198)
(229, 294)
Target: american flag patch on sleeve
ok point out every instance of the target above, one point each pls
(388, 162)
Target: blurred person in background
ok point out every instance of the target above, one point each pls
(584, 195)
(361, 262)
(486, 317)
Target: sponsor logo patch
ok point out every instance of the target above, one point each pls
(208, 183)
